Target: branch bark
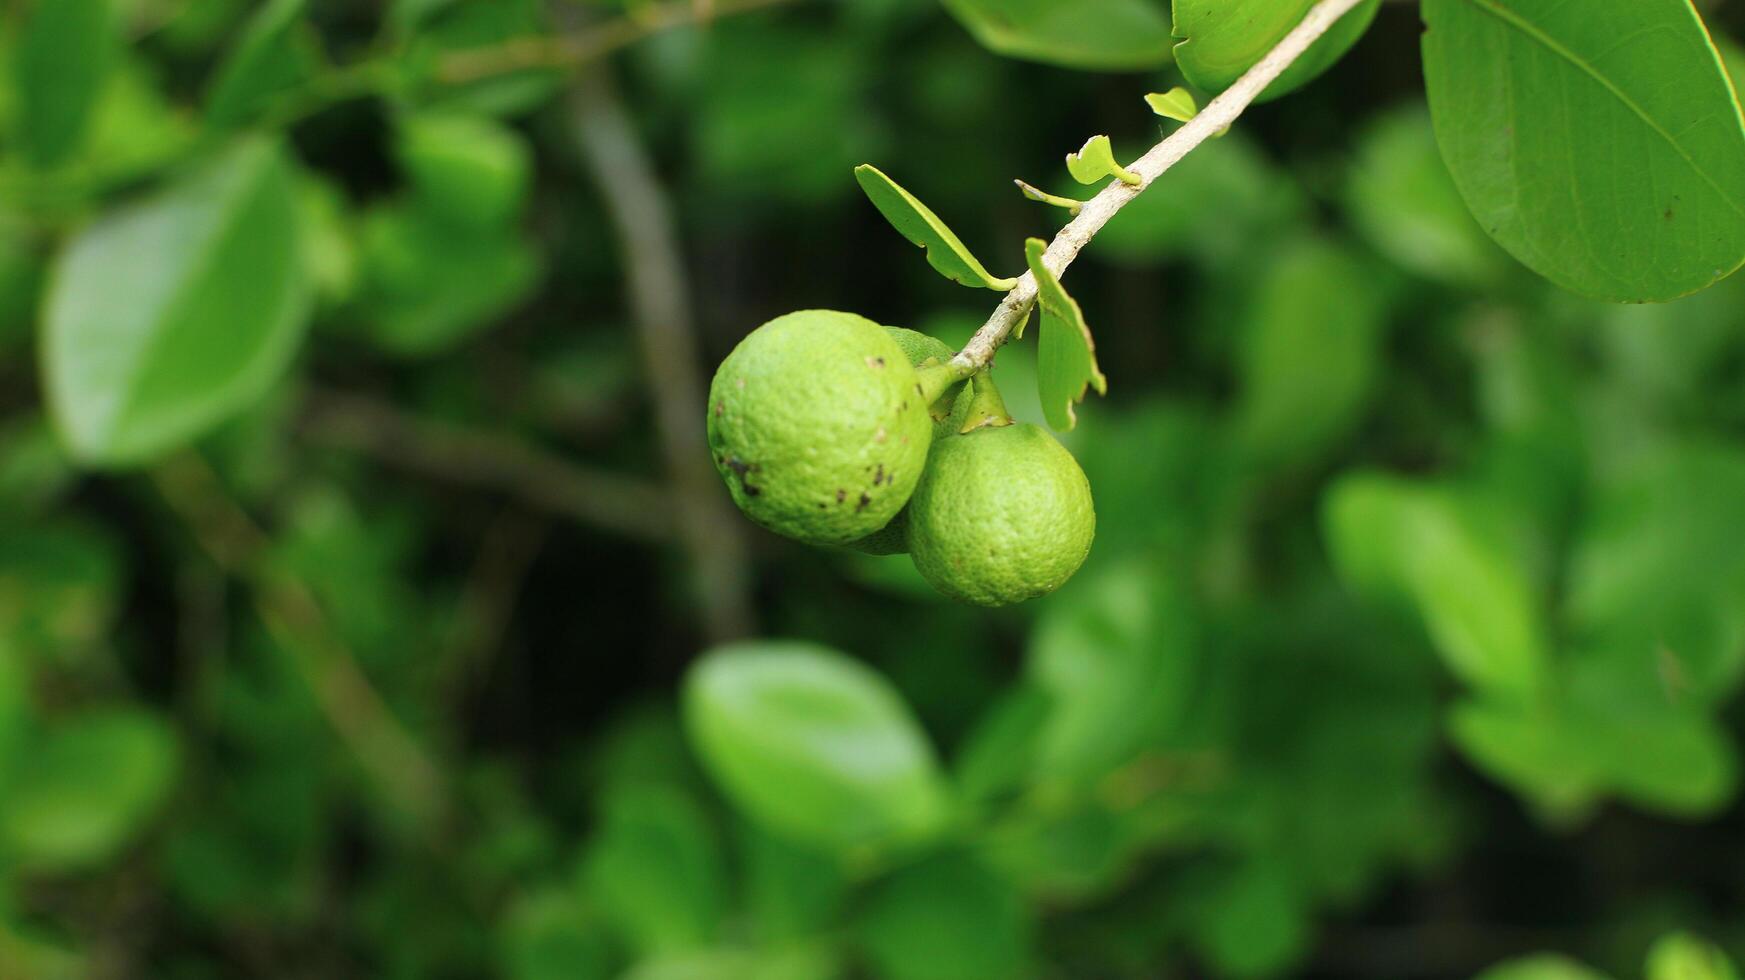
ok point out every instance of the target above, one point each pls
(408, 777)
(619, 504)
(572, 51)
(1218, 114)
(658, 294)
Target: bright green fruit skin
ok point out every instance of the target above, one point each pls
(817, 426)
(1002, 515)
(948, 412)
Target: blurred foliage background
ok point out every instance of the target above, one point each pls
(1411, 641)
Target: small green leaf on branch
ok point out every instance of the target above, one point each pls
(1177, 103)
(1066, 359)
(1095, 161)
(1035, 193)
(916, 222)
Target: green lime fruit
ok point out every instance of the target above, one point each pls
(948, 413)
(818, 424)
(892, 539)
(951, 408)
(1003, 514)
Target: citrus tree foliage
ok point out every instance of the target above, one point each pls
(350, 623)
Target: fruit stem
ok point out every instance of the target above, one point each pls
(938, 378)
(986, 407)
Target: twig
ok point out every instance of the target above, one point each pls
(576, 50)
(658, 294)
(289, 610)
(619, 504)
(1218, 114)
(486, 606)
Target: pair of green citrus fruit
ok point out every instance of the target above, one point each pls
(833, 430)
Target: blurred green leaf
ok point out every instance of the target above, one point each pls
(1222, 39)
(1213, 206)
(791, 892)
(1103, 35)
(274, 53)
(1388, 536)
(1309, 351)
(428, 286)
(814, 745)
(1535, 751)
(1253, 924)
(1403, 201)
(655, 869)
(471, 169)
(1518, 89)
(59, 585)
(87, 788)
(172, 314)
(1546, 966)
(1115, 657)
(1066, 359)
(1685, 957)
(947, 918)
(914, 221)
(998, 755)
(550, 935)
(1653, 578)
(64, 56)
(797, 963)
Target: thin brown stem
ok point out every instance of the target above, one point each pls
(658, 293)
(491, 460)
(571, 51)
(409, 778)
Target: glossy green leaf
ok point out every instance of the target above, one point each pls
(1114, 657)
(1109, 35)
(914, 221)
(1547, 966)
(948, 918)
(1681, 956)
(64, 56)
(1429, 546)
(1066, 357)
(814, 745)
(272, 54)
(1309, 351)
(1177, 103)
(1095, 161)
(655, 869)
(170, 315)
(469, 168)
(1222, 39)
(1599, 143)
(1402, 200)
(86, 789)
